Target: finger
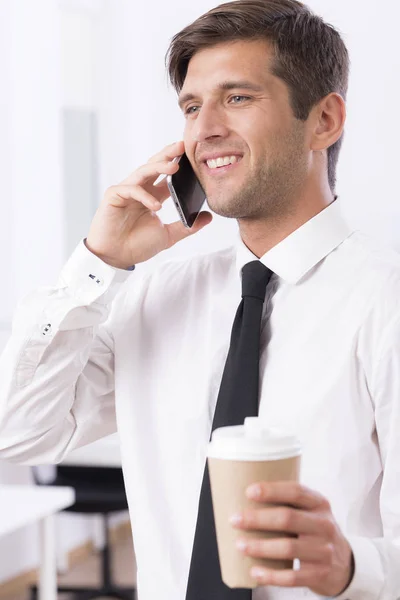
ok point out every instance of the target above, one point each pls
(149, 172)
(306, 548)
(287, 492)
(284, 519)
(161, 190)
(122, 195)
(177, 231)
(306, 576)
(169, 152)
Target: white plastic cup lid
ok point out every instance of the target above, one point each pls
(253, 441)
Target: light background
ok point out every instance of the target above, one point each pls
(85, 100)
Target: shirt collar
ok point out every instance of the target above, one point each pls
(295, 255)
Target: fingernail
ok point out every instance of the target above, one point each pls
(241, 544)
(254, 491)
(257, 572)
(236, 519)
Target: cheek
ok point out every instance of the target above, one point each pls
(255, 133)
(189, 142)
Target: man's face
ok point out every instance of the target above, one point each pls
(237, 110)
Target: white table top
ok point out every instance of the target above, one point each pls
(21, 505)
(103, 453)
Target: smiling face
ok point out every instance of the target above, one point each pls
(237, 112)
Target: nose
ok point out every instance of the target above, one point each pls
(209, 124)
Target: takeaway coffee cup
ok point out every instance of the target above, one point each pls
(237, 457)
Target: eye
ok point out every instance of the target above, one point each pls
(239, 99)
(190, 110)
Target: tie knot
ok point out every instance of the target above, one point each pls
(255, 277)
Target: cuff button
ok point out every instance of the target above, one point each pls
(96, 279)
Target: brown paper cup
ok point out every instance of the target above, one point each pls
(229, 480)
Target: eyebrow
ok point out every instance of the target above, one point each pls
(225, 86)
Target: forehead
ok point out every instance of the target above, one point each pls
(250, 60)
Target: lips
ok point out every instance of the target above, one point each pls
(221, 154)
(222, 161)
(215, 171)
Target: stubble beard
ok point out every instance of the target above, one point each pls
(270, 190)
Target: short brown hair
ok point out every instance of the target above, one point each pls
(309, 54)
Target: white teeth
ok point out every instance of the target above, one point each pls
(221, 161)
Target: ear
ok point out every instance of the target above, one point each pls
(328, 121)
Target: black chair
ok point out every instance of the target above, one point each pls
(99, 490)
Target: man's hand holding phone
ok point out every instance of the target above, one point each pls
(126, 229)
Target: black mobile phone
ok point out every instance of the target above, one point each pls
(186, 191)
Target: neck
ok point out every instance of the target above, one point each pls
(260, 235)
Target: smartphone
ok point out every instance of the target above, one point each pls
(186, 191)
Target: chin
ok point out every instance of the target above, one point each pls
(224, 208)
(226, 199)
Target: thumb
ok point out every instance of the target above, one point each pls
(177, 231)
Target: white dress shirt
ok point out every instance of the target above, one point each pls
(151, 348)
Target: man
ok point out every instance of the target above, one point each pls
(262, 82)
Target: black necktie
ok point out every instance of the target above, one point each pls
(237, 399)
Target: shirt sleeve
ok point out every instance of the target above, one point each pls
(377, 561)
(57, 370)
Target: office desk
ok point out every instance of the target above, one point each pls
(22, 505)
(103, 453)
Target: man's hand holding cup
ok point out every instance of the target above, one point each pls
(325, 554)
(265, 518)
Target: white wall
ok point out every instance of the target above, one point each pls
(47, 57)
(368, 166)
(109, 56)
(30, 182)
(5, 168)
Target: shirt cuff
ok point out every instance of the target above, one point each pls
(369, 577)
(89, 279)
